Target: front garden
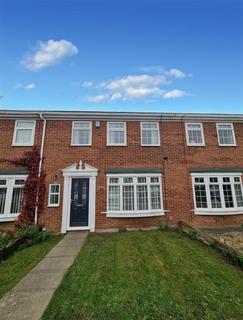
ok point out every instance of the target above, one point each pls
(148, 275)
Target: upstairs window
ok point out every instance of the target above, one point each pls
(150, 134)
(226, 135)
(221, 193)
(82, 133)
(116, 134)
(194, 134)
(24, 133)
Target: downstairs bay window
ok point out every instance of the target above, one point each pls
(132, 195)
(11, 195)
(218, 194)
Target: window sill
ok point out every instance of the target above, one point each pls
(8, 218)
(218, 212)
(228, 145)
(150, 145)
(80, 145)
(22, 145)
(116, 145)
(134, 215)
(196, 145)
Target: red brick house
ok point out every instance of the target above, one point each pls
(107, 170)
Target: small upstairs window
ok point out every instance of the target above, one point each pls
(116, 134)
(150, 134)
(24, 133)
(226, 135)
(82, 133)
(194, 134)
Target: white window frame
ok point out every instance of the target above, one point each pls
(51, 205)
(187, 135)
(142, 129)
(233, 133)
(217, 211)
(90, 137)
(108, 130)
(10, 185)
(14, 143)
(135, 213)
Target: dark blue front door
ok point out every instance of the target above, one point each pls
(79, 211)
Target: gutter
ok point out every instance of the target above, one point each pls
(41, 161)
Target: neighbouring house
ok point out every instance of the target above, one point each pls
(108, 170)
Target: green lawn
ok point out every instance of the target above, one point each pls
(148, 275)
(14, 268)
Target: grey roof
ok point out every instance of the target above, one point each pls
(132, 170)
(14, 171)
(215, 170)
(105, 115)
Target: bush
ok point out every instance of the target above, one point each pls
(5, 239)
(123, 229)
(164, 227)
(33, 234)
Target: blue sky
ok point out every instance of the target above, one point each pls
(165, 56)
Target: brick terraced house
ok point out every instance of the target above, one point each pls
(107, 170)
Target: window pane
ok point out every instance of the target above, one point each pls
(142, 197)
(215, 196)
(141, 179)
(128, 180)
(116, 137)
(239, 196)
(114, 180)
(55, 188)
(3, 182)
(199, 180)
(150, 137)
(19, 182)
(25, 125)
(154, 180)
(116, 125)
(228, 198)
(149, 125)
(114, 198)
(23, 136)
(16, 200)
(195, 136)
(155, 197)
(54, 198)
(226, 135)
(128, 198)
(200, 194)
(81, 125)
(3, 192)
(81, 137)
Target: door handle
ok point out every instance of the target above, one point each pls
(79, 205)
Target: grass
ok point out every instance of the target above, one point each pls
(148, 275)
(15, 267)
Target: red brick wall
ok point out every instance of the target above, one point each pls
(177, 186)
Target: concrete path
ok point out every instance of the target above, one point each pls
(30, 297)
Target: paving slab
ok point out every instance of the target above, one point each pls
(30, 297)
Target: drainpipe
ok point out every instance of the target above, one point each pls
(40, 163)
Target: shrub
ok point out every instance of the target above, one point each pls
(5, 239)
(122, 229)
(33, 234)
(164, 227)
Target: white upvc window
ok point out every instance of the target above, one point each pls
(81, 133)
(54, 195)
(116, 134)
(226, 134)
(11, 195)
(150, 134)
(131, 195)
(219, 193)
(24, 133)
(194, 134)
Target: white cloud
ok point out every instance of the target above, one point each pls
(146, 86)
(87, 84)
(116, 96)
(176, 73)
(48, 53)
(175, 94)
(29, 86)
(97, 98)
(135, 81)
